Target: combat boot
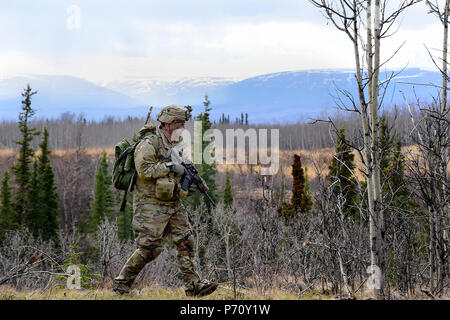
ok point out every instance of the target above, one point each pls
(120, 287)
(201, 289)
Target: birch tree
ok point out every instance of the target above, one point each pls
(366, 23)
(439, 241)
(428, 167)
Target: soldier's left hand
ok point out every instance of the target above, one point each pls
(178, 169)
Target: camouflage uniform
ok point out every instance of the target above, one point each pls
(155, 220)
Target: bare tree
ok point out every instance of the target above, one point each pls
(428, 166)
(425, 167)
(353, 17)
(28, 263)
(223, 218)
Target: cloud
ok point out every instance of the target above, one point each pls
(19, 62)
(179, 38)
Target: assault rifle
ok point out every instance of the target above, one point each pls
(191, 176)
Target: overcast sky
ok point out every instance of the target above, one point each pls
(108, 40)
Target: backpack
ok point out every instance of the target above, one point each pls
(124, 172)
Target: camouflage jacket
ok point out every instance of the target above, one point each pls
(150, 162)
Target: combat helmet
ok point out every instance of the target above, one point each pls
(173, 113)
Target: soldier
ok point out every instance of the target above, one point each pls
(157, 209)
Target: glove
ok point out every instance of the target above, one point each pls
(192, 188)
(178, 169)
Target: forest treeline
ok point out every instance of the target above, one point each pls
(70, 130)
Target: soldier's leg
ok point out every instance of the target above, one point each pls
(149, 223)
(180, 233)
(147, 251)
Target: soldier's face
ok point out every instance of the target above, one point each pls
(175, 129)
(176, 125)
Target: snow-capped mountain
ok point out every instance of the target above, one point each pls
(159, 90)
(284, 96)
(276, 97)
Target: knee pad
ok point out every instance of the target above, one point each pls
(150, 253)
(185, 246)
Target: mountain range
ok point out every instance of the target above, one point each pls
(276, 97)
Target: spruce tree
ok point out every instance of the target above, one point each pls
(340, 175)
(227, 193)
(226, 227)
(386, 144)
(42, 200)
(103, 202)
(398, 179)
(392, 165)
(47, 193)
(21, 169)
(401, 211)
(206, 171)
(8, 219)
(300, 201)
(33, 219)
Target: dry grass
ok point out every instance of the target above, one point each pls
(153, 292)
(156, 292)
(6, 152)
(316, 161)
(90, 151)
(61, 152)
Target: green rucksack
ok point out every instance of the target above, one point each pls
(124, 171)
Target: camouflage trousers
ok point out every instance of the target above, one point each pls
(152, 224)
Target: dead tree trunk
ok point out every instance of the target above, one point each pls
(347, 16)
(438, 158)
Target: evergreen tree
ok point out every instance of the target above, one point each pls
(103, 202)
(33, 218)
(206, 171)
(392, 165)
(401, 211)
(226, 227)
(48, 196)
(386, 144)
(300, 201)
(8, 219)
(125, 230)
(42, 199)
(227, 193)
(340, 174)
(246, 119)
(398, 179)
(21, 169)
